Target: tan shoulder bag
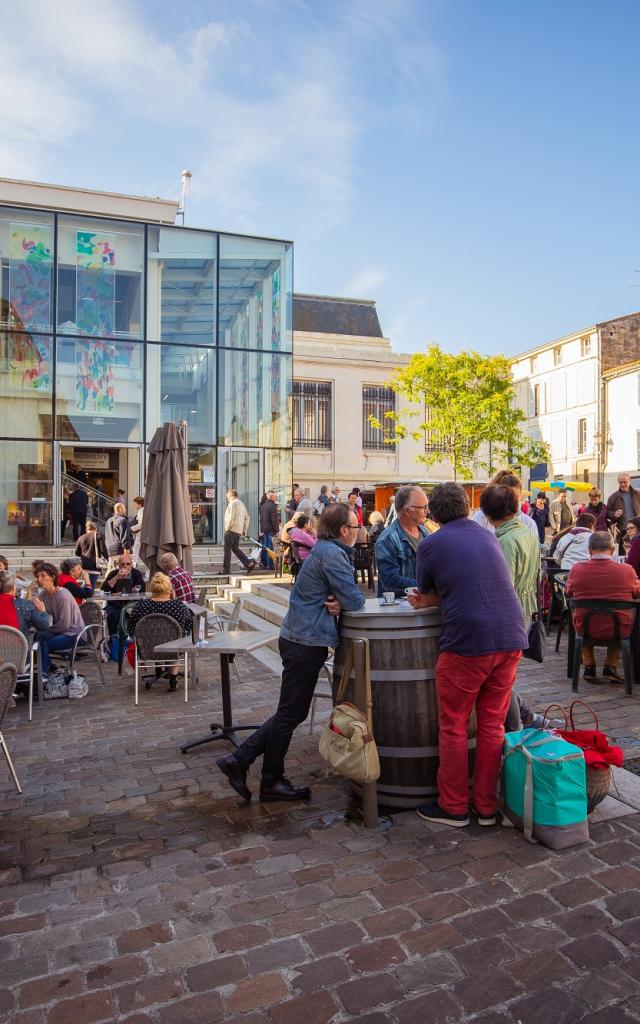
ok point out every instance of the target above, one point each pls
(347, 743)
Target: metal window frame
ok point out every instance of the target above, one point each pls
(384, 400)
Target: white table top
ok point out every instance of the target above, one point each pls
(401, 607)
(236, 641)
(102, 595)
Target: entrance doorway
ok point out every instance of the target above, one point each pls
(102, 471)
(241, 470)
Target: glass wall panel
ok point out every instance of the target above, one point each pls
(254, 399)
(25, 492)
(25, 384)
(278, 475)
(181, 281)
(202, 491)
(181, 386)
(100, 283)
(255, 301)
(26, 270)
(98, 390)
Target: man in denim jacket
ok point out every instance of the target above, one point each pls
(396, 549)
(324, 586)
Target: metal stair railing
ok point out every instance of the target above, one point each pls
(100, 507)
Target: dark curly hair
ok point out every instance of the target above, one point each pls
(448, 502)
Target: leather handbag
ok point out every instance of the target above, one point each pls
(347, 743)
(537, 637)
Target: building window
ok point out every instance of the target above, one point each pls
(585, 346)
(432, 443)
(536, 399)
(557, 355)
(533, 364)
(181, 276)
(376, 402)
(582, 435)
(312, 414)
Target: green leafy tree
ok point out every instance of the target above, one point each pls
(463, 407)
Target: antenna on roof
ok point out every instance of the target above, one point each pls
(186, 191)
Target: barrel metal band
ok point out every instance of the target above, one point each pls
(418, 751)
(403, 675)
(396, 634)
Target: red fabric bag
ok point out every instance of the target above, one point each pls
(598, 752)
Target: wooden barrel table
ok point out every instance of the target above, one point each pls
(403, 648)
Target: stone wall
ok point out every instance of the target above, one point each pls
(619, 341)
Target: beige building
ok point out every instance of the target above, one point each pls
(342, 364)
(560, 388)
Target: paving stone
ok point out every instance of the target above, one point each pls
(611, 1015)
(488, 893)
(577, 892)
(335, 937)
(376, 956)
(254, 993)
(112, 972)
(201, 1009)
(618, 852)
(216, 973)
(393, 894)
(486, 990)
(138, 939)
(438, 1007)
(623, 905)
(480, 923)
(242, 937)
(388, 922)
(439, 907)
(620, 879)
(158, 988)
(551, 1004)
(365, 993)
(272, 955)
(485, 953)
(532, 937)
(93, 1006)
(592, 952)
(318, 1008)
(323, 973)
(350, 909)
(429, 972)
(583, 921)
(430, 938)
(539, 970)
(181, 953)
(22, 924)
(296, 922)
(628, 932)
(54, 986)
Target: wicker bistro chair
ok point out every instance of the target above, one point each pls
(149, 632)
(608, 608)
(14, 648)
(8, 679)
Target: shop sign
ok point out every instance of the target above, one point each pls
(91, 460)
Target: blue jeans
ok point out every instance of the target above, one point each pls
(265, 561)
(53, 642)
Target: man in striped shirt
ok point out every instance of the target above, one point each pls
(182, 581)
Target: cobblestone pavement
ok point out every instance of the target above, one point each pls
(136, 888)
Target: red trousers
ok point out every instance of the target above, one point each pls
(462, 681)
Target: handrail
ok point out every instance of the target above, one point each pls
(101, 508)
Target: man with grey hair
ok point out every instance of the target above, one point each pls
(622, 505)
(603, 579)
(303, 503)
(398, 543)
(181, 580)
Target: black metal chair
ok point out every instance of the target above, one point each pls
(149, 632)
(363, 563)
(608, 608)
(556, 598)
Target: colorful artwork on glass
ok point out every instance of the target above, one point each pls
(259, 391)
(30, 263)
(275, 310)
(244, 328)
(95, 361)
(95, 282)
(30, 362)
(275, 400)
(259, 317)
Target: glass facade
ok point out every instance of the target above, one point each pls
(108, 328)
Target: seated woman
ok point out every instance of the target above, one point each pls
(57, 602)
(633, 538)
(75, 579)
(303, 535)
(18, 612)
(162, 602)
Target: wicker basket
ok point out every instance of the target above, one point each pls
(598, 783)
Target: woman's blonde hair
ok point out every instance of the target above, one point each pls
(91, 527)
(376, 517)
(119, 509)
(595, 493)
(160, 584)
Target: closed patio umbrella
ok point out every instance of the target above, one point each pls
(167, 524)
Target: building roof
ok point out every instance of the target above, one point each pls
(327, 314)
(47, 196)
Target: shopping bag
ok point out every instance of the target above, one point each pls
(347, 743)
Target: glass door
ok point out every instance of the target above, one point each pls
(241, 470)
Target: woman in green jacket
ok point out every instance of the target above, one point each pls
(519, 545)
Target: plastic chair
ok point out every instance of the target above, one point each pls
(8, 679)
(556, 600)
(608, 608)
(14, 648)
(150, 631)
(363, 563)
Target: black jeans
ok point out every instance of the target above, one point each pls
(232, 545)
(79, 525)
(300, 669)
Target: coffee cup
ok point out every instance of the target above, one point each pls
(389, 597)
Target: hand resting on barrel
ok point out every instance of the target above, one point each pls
(430, 600)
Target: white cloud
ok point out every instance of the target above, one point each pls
(365, 283)
(261, 108)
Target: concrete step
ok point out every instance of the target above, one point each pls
(279, 593)
(268, 610)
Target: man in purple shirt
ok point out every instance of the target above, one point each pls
(462, 569)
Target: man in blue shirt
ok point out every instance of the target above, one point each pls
(462, 569)
(398, 544)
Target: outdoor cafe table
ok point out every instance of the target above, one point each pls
(104, 595)
(236, 641)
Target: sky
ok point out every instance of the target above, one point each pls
(472, 165)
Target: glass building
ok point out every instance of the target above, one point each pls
(108, 328)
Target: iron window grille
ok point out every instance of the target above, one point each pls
(376, 401)
(312, 414)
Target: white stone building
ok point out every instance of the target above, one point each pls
(622, 417)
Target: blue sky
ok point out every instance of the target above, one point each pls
(470, 164)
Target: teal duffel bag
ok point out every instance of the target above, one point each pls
(544, 788)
